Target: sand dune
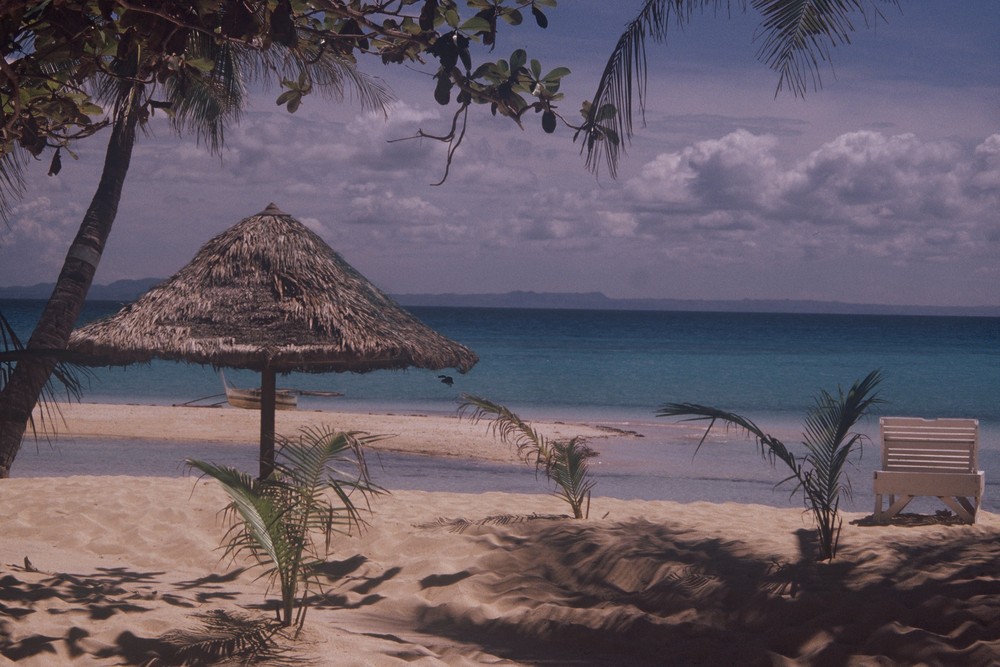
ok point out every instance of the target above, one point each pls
(117, 562)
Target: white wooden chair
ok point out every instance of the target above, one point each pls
(929, 457)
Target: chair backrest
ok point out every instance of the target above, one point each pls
(912, 444)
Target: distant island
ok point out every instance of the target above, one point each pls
(129, 290)
(598, 301)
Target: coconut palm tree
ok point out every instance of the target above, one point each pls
(203, 88)
(564, 462)
(798, 36)
(828, 440)
(275, 520)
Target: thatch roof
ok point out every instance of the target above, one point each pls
(268, 292)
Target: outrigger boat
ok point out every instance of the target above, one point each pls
(249, 399)
(284, 399)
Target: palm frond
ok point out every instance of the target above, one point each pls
(205, 103)
(623, 82)
(828, 441)
(827, 435)
(333, 74)
(507, 426)
(799, 36)
(12, 165)
(257, 510)
(570, 471)
(564, 462)
(66, 374)
(322, 460)
(770, 447)
(226, 638)
(274, 520)
(336, 76)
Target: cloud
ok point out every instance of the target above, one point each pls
(38, 236)
(383, 208)
(984, 179)
(734, 209)
(720, 173)
(893, 197)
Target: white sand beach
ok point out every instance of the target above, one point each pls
(97, 570)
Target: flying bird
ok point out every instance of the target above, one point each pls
(447, 379)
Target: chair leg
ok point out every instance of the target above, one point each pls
(955, 507)
(897, 506)
(970, 507)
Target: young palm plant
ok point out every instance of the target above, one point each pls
(828, 440)
(564, 461)
(276, 520)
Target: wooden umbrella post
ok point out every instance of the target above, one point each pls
(268, 383)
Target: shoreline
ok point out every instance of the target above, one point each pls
(415, 432)
(439, 452)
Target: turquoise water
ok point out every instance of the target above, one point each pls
(618, 367)
(562, 362)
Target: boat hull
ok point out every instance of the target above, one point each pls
(249, 399)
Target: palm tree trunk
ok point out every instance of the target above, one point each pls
(19, 396)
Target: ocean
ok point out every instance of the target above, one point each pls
(616, 368)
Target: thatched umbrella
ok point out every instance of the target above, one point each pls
(269, 295)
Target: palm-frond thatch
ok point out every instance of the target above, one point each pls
(269, 293)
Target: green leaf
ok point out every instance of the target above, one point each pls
(291, 98)
(606, 112)
(483, 70)
(475, 24)
(411, 27)
(518, 60)
(556, 74)
(513, 17)
(540, 18)
(201, 64)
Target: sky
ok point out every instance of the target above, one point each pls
(881, 187)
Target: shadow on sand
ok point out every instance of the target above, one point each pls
(561, 592)
(641, 593)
